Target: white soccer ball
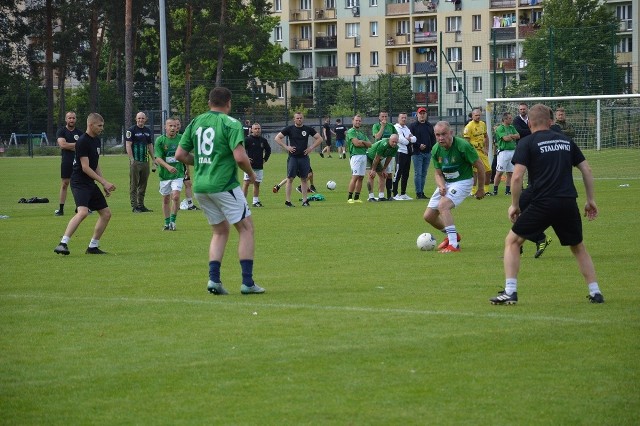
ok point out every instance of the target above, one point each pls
(426, 242)
(184, 205)
(331, 185)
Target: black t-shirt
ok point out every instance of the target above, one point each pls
(327, 132)
(299, 138)
(258, 150)
(341, 131)
(549, 158)
(86, 146)
(71, 136)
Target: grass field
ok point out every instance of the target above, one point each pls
(357, 326)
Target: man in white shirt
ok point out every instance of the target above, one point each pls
(403, 160)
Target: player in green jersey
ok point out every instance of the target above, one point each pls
(507, 137)
(379, 157)
(171, 172)
(357, 144)
(217, 144)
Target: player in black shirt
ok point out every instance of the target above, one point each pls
(259, 151)
(549, 158)
(86, 193)
(340, 131)
(326, 135)
(66, 137)
(298, 163)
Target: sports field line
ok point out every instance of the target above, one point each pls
(255, 303)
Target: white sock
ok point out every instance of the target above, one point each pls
(255, 200)
(94, 243)
(381, 195)
(511, 286)
(452, 234)
(593, 288)
(371, 195)
(65, 240)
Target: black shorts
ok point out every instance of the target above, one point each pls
(298, 166)
(89, 196)
(562, 214)
(66, 168)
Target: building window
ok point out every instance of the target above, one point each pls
(373, 28)
(332, 60)
(506, 51)
(429, 25)
(454, 23)
(403, 57)
(624, 45)
(402, 27)
(454, 112)
(452, 85)
(305, 4)
(375, 61)
(351, 3)
(307, 89)
(332, 30)
(277, 5)
(305, 32)
(353, 30)
(280, 91)
(476, 22)
(454, 54)
(353, 59)
(306, 61)
(278, 33)
(477, 53)
(536, 15)
(477, 84)
(623, 12)
(373, 3)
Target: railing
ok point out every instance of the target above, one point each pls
(425, 67)
(327, 71)
(325, 14)
(397, 9)
(299, 15)
(425, 37)
(326, 42)
(504, 33)
(306, 73)
(525, 31)
(398, 40)
(300, 44)
(429, 7)
(502, 3)
(529, 2)
(507, 64)
(423, 98)
(398, 69)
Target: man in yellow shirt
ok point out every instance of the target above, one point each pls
(475, 132)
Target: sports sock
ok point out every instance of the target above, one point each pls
(61, 208)
(474, 189)
(381, 195)
(511, 286)
(214, 271)
(507, 189)
(166, 220)
(247, 271)
(356, 196)
(593, 288)
(452, 234)
(371, 195)
(255, 200)
(350, 196)
(94, 243)
(65, 240)
(172, 218)
(495, 189)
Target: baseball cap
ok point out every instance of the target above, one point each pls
(422, 109)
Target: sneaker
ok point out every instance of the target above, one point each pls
(166, 228)
(136, 210)
(330, 156)
(390, 199)
(254, 289)
(62, 249)
(216, 288)
(312, 189)
(541, 246)
(299, 188)
(172, 226)
(193, 207)
(489, 194)
(306, 204)
(505, 299)
(257, 204)
(596, 298)
(397, 197)
(288, 204)
(449, 249)
(350, 201)
(445, 242)
(322, 155)
(144, 209)
(495, 193)
(372, 199)
(94, 250)
(276, 188)
(405, 197)
(58, 213)
(357, 201)
(506, 193)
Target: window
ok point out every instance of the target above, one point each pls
(307, 89)
(332, 30)
(477, 53)
(277, 5)
(306, 61)
(506, 51)
(454, 112)
(452, 85)
(373, 3)
(305, 32)
(305, 4)
(623, 12)
(477, 84)
(624, 45)
(454, 23)
(351, 3)
(403, 57)
(373, 29)
(278, 33)
(430, 25)
(476, 22)
(353, 59)
(375, 61)
(402, 27)
(332, 60)
(280, 91)
(353, 30)
(454, 54)
(330, 4)
(536, 15)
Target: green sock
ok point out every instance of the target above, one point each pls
(166, 221)
(172, 218)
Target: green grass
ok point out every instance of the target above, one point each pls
(357, 326)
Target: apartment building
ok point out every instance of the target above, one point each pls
(365, 38)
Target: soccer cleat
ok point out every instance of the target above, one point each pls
(489, 194)
(58, 213)
(193, 207)
(350, 201)
(166, 228)
(276, 188)
(357, 201)
(506, 193)
(541, 246)
(288, 204)
(144, 209)
(62, 249)
(372, 199)
(257, 204)
(596, 298)
(94, 250)
(306, 204)
(322, 155)
(216, 288)
(312, 189)
(445, 242)
(254, 289)
(449, 249)
(172, 226)
(505, 299)
(136, 210)
(382, 199)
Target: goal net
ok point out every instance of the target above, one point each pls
(607, 128)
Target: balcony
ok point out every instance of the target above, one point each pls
(502, 4)
(305, 73)
(506, 64)
(397, 9)
(299, 15)
(398, 69)
(422, 98)
(327, 72)
(504, 33)
(425, 37)
(326, 42)
(524, 3)
(325, 14)
(525, 31)
(300, 44)
(430, 67)
(428, 7)
(398, 40)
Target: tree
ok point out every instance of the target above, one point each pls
(573, 51)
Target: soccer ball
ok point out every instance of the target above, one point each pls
(426, 242)
(331, 185)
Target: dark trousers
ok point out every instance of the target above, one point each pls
(403, 167)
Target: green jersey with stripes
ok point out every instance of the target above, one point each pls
(456, 162)
(165, 148)
(212, 137)
(358, 134)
